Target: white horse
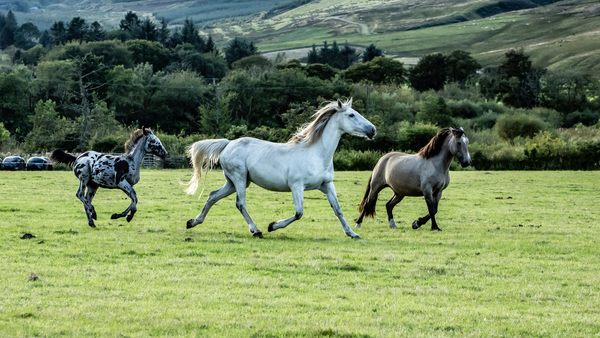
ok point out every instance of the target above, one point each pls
(304, 163)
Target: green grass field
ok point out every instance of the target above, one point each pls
(524, 265)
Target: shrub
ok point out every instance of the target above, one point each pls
(586, 117)
(356, 160)
(109, 144)
(486, 121)
(465, 109)
(510, 126)
(412, 137)
(435, 111)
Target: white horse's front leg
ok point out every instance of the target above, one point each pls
(329, 190)
(298, 195)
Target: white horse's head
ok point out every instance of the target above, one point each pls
(459, 146)
(351, 122)
(153, 144)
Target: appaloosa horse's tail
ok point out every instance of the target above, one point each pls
(59, 156)
(366, 204)
(204, 155)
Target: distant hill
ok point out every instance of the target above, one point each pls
(557, 34)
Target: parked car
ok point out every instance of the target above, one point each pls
(13, 163)
(39, 163)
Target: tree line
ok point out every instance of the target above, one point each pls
(79, 92)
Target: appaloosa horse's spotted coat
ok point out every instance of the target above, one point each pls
(95, 170)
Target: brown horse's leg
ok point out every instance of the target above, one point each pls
(390, 206)
(417, 224)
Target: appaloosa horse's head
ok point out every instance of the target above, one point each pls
(153, 144)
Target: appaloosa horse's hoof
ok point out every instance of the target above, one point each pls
(271, 226)
(92, 225)
(115, 216)
(416, 225)
(190, 224)
(94, 216)
(258, 234)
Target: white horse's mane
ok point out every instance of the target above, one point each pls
(312, 131)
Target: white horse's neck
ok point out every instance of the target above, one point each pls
(329, 140)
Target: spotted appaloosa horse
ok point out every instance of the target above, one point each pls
(101, 170)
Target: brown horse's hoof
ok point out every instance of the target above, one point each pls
(258, 234)
(115, 216)
(416, 225)
(436, 229)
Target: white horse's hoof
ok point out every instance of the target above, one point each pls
(353, 235)
(358, 225)
(393, 224)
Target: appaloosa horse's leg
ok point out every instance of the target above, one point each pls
(390, 206)
(131, 209)
(213, 198)
(86, 205)
(298, 196)
(89, 196)
(329, 190)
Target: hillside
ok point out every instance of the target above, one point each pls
(557, 34)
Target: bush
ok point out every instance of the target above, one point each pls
(588, 118)
(465, 109)
(413, 137)
(510, 126)
(109, 144)
(356, 160)
(435, 111)
(486, 121)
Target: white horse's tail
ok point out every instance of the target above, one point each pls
(204, 155)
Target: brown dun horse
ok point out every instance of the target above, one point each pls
(422, 174)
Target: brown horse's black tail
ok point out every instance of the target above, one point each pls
(367, 205)
(59, 156)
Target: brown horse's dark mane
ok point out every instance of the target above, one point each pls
(435, 145)
(133, 139)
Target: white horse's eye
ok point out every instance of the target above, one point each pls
(351, 115)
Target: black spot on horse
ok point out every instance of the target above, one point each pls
(122, 168)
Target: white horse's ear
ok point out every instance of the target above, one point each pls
(349, 104)
(340, 104)
(461, 128)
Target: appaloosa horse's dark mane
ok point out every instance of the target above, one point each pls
(134, 138)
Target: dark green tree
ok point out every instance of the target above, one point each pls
(95, 32)
(434, 110)
(152, 52)
(347, 57)
(7, 35)
(371, 52)
(45, 39)
(25, 36)
(163, 32)
(429, 73)
(239, 48)
(59, 33)
(380, 70)
(130, 24)
(461, 67)
(313, 55)
(147, 30)
(76, 29)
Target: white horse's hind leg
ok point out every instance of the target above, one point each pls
(213, 198)
(298, 195)
(329, 190)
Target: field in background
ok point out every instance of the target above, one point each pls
(518, 257)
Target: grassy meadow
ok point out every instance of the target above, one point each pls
(518, 256)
